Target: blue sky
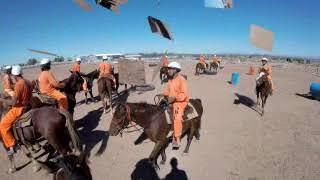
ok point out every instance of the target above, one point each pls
(61, 27)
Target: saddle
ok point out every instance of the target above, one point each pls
(189, 113)
(24, 121)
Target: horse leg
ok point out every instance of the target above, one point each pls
(258, 102)
(163, 156)
(91, 95)
(31, 155)
(86, 98)
(141, 138)
(190, 135)
(264, 100)
(155, 152)
(103, 104)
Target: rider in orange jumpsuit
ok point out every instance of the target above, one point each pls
(215, 60)
(202, 61)
(20, 100)
(267, 69)
(76, 68)
(7, 81)
(48, 85)
(105, 70)
(178, 95)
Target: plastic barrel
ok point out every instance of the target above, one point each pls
(315, 90)
(235, 78)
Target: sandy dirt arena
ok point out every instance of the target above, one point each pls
(236, 142)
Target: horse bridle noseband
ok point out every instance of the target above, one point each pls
(130, 121)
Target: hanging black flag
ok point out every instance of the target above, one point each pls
(158, 26)
(111, 4)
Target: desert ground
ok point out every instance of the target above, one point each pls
(236, 142)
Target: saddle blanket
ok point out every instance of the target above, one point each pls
(189, 113)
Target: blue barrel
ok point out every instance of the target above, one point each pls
(315, 90)
(235, 78)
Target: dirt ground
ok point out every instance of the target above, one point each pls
(236, 142)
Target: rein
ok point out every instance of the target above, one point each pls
(131, 122)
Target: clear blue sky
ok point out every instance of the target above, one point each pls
(61, 27)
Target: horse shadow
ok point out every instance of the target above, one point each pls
(95, 99)
(307, 96)
(88, 135)
(210, 73)
(176, 173)
(247, 101)
(144, 171)
(122, 97)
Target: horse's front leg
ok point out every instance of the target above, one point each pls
(91, 95)
(258, 101)
(12, 168)
(31, 155)
(163, 156)
(103, 104)
(190, 135)
(86, 97)
(264, 100)
(155, 152)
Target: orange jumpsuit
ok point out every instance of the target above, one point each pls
(202, 61)
(47, 85)
(215, 60)
(105, 69)
(8, 85)
(76, 68)
(267, 69)
(177, 88)
(23, 94)
(165, 62)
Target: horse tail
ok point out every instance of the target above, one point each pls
(72, 132)
(198, 105)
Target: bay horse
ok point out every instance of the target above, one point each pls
(200, 69)
(105, 85)
(50, 123)
(152, 119)
(214, 66)
(263, 90)
(90, 77)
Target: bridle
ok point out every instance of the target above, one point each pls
(127, 120)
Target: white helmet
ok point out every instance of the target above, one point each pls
(16, 70)
(174, 65)
(264, 59)
(78, 59)
(7, 67)
(44, 61)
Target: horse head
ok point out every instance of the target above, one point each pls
(74, 82)
(120, 119)
(261, 78)
(90, 77)
(73, 167)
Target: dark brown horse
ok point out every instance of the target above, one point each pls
(263, 90)
(200, 69)
(105, 85)
(214, 66)
(50, 123)
(90, 77)
(155, 127)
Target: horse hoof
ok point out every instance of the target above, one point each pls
(185, 153)
(12, 170)
(36, 168)
(197, 141)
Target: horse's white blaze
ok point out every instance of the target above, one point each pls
(260, 75)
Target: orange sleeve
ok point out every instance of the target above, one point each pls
(166, 91)
(52, 80)
(18, 90)
(183, 92)
(268, 70)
